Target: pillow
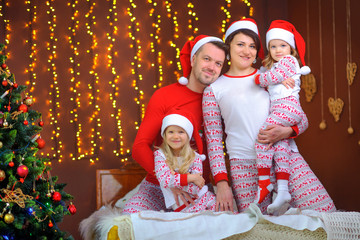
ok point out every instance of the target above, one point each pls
(122, 201)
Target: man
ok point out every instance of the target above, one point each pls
(202, 61)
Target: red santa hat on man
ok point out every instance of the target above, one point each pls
(283, 30)
(189, 50)
(245, 23)
(184, 120)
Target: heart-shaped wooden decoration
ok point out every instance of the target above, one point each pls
(309, 85)
(335, 107)
(350, 72)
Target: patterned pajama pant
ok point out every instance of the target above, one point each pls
(285, 112)
(306, 190)
(150, 197)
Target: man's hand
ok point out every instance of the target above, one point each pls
(224, 197)
(274, 133)
(184, 196)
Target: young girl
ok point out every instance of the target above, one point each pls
(177, 165)
(286, 49)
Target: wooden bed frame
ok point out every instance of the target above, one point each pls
(113, 184)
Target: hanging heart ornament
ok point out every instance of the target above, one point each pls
(335, 107)
(350, 72)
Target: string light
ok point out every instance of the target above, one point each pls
(119, 151)
(154, 44)
(55, 91)
(192, 19)
(172, 16)
(32, 9)
(93, 86)
(7, 29)
(226, 10)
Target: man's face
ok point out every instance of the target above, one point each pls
(207, 64)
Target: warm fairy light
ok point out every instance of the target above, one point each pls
(111, 36)
(172, 15)
(225, 9)
(154, 44)
(32, 45)
(83, 23)
(7, 29)
(54, 103)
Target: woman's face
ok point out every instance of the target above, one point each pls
(242, 51)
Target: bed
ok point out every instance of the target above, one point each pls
(115, 186)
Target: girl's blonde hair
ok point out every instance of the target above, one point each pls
(187, 153)
(268, 61)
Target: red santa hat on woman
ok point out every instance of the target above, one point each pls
(245, 23)
(189, 50)
(184, 120)
(283, 30)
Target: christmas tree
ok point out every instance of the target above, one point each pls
(31, 201)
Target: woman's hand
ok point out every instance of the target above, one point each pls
(224, 197)
(274, 133)
(289, 83)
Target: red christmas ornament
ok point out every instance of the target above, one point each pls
(26, 122)
(50, 224)
(11, 164)
(56, 196)
(41, 123)
(4, 83)
(15, 85)
(3, 66)
(23, 108)
(72, 208)
(41, 143)
(22, 171)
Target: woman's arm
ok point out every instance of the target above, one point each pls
(214, 139)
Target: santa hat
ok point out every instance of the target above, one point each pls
(283, 30)
(245, 23)
(189, 50)
(185, 121)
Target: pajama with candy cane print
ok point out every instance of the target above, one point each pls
(285, 110)
(206, 200)
(242, 107)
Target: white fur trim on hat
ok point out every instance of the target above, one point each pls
(305, 70)
(281, 34)
(201, 42)
(241, 25)
(183, 80)
(177, 120)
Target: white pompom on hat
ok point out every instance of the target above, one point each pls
(245, 23)
(183, 119)
(283, 30)
(188, 51)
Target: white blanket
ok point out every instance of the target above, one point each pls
(209, 225)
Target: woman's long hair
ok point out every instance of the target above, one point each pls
(268, 61)
(187, 154)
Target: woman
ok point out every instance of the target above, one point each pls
(243, 106)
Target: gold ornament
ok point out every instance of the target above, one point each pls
(322, 125)
(9, 218)
(16, 196)
(1, 144)
(309, 85)
(2, 175)
(350, 130)
(350, 72)
(335, 107)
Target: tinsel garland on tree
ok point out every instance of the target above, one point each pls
(31, 203)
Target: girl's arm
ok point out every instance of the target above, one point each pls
(285, 69)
